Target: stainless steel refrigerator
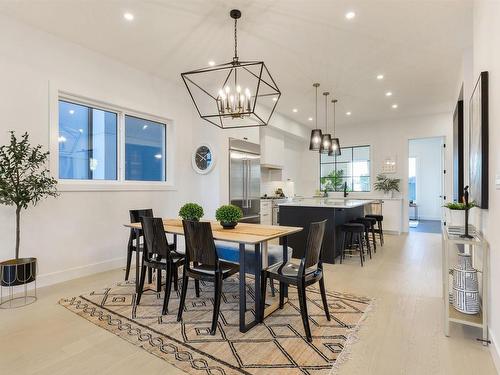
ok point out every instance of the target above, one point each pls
(244, 178)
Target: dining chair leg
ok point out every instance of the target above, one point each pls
(141, 284)
(263, 287)
(271, 284)
(303, 310)
(282, 295)
(183, 295)
(129, 258)
(168, 288)
(176, 277)
(197, 287)
(323, 297)
(158, 278)
(217, 297)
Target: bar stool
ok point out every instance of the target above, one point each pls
(379, 230)
(355, 231)
(369, 227)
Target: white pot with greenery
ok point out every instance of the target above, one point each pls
(387, 185)
(455, 213)
(24, 180)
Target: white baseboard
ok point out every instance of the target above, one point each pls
(495, 353)
(81, 271)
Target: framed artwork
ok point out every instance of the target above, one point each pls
(478, 142)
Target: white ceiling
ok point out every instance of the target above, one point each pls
(417, 45)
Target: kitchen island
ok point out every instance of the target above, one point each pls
(303, 212)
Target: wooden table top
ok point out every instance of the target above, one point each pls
(242, 233)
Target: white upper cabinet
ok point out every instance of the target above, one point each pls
(272, 148)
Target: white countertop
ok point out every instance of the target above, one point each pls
(327, 202)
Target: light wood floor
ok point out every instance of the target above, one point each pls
(403, 335)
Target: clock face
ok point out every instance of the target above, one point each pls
(203, 159)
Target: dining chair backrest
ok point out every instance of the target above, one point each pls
(135, 215)
(200, 245)
(313, 245)
(155, 238)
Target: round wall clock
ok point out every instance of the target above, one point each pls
(203, 159)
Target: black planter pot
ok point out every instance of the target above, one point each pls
(228, 225)
(15, 272)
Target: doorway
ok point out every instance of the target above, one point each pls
(425, 184)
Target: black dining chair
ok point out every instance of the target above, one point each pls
(159, 256)
(135, 217)
(202, 263)
(309, 272)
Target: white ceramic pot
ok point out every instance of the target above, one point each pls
(389, 194)
(455, 217)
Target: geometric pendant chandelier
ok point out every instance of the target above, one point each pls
(237, 94)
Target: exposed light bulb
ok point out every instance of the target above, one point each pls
(128, 16)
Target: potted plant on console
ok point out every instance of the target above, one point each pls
(191, 211)
(228, 215)
(387, 185)
(24, 181)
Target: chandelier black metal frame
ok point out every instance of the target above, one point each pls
(316, 134)
(326, 138)
(232, 95)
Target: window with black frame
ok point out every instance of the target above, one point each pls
(351, 167)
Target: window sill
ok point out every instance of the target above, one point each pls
(82, 186)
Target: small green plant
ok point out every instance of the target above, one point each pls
(386, 184)
(333, 181)
(228, 214)
(460, 205)
(191, 211)
(24, 177)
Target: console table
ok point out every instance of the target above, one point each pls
(478, 248)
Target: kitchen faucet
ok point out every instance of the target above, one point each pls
(345, 190)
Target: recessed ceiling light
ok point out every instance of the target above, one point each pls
(348, 113)
(211, 63)
(310, 119)
(128, 16)
(295, 110)
(388, 93)
(350, 15)
(275, 99)
(71, 111)
(380, 76)
(394, 106)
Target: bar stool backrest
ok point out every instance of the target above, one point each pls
(200, 245)
(154, 238)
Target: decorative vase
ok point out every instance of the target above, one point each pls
(228, 224)
(388, 194)
(455, 218)
(465, 286)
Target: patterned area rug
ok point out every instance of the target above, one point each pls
(277, 346)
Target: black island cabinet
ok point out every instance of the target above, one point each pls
(302, 214)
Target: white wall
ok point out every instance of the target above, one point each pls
(427, 152)
(486, 56)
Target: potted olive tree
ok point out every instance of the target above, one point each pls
(24, 181)
(191, 211)
(228, 215)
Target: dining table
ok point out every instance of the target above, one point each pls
(256, 235)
